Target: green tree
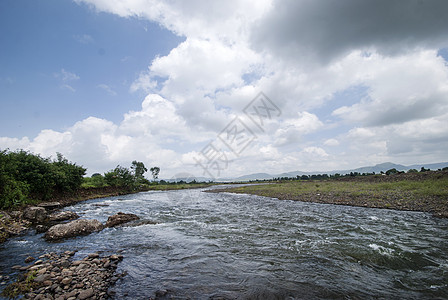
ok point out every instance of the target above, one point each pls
(392, 171)
(138, 169)
(155, 172)
(121, 177)
(26, 176)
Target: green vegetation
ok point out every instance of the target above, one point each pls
(28, 178)
(15, 289)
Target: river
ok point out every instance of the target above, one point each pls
(234, 246)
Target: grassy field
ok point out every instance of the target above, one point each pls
(419, 192)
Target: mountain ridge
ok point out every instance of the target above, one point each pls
(367, 169)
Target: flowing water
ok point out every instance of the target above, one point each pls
(231, 246)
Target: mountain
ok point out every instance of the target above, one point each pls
(259, 176)
(265, 176)
(369, 169)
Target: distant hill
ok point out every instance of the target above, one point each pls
(369, 169)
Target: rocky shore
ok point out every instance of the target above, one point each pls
(58, 276)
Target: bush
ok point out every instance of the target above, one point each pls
(26, 176)
(392, 171)
(120, 177)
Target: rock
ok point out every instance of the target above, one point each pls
(73, 228)
(41, 228)
(35, 214)
(141, 223)
(86, 294)
(42, 278)
(29, 259)
(94, 255)
(63, 216)
(16, 214)
(66, 280)
(120, 218)
(50, 205)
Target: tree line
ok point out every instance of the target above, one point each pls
(351, 174)
(29, 178)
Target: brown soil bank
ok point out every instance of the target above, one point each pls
(426, 192)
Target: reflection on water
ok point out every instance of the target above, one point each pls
(231, 246)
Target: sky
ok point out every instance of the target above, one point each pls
(225, 88)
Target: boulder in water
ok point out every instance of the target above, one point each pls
(63, 216)
(35, 214)
(73, 228)
(120, 218)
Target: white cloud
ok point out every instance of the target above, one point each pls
(292, 130)
(66, 76)
(331, 142)
(107, 88)
(307, 57)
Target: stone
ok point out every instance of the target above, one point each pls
(72, 229)
(29, 259)
(48, 282)
(35, 214)
(63, 216)
(94, 255)
(120, 218)
(86, 294)
(50, 205)
(66, 280)
(42, 278)
(41, 228)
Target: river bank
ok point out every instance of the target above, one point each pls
(425, 192)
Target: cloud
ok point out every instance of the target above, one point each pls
(107, 88)
(405, 88)
(331, 142)
(68, 87)
(66, 76)
(324, 31)
(292, 130)
(84, 38)
(357, 82)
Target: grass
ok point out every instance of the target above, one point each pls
(429, 187)
(428, 193)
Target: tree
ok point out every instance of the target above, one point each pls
(155, 172)
(392, 171)
(120, 176)
(139, 169)
(25, 176)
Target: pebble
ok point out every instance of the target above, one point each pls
(29, 259)
(60, 278)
